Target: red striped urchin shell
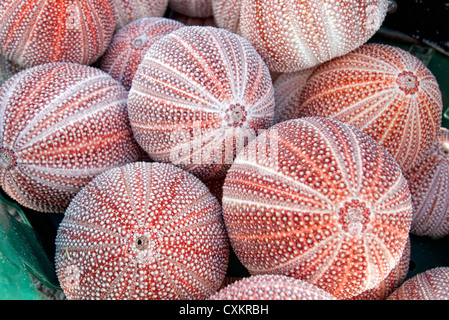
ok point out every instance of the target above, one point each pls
(432, 284)
(40, 31)
(429, 186)
(384, 91)
(293, 34)
(192, 8)
(318, 200)
(227, 14)
(197, 97)
(130, 44)
(130, 10)
(271, 287)
(142, 231)
(287, 92)
(394, 279)
(61, 124)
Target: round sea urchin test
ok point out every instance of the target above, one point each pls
(61, 124)
(42, 31)
(318, 200)
(142, 231)
(271, 287)
(384, 91)
(197, 97)
(128, 11)
(130, 44)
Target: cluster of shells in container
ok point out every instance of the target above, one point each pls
(171, 133)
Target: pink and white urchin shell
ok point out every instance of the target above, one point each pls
(271, 287)
(292, 35)
(61, 124)
(384, 91)
(192, 8)
(318, 200)
(287, 92)
(142, 231)
(130, 44)
(130, 10)
(40, 31)
(197, 97)
(394, 279)
(429, 185)
(227, 14)
(432, 284)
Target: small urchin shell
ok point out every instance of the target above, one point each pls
(41, 31)
(197, 97)
(192, 8)
(429, 185)
(292, 35)
(128, 11)
(227, 14)
(432, 284)
(142, 231)
(130, 44)
(384, 91)
(394, 279)
(318, 200)
(61, 124)
(271, 287)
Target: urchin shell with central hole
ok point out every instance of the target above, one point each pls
(318, 200)
(142, 231)
(199, 95)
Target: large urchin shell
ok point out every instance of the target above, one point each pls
(319, 200)
(128, 11)
(130, 44)
(384, 91)
(429, 185)
(432, 284)
(41, 31)
(192, 8)
(271, 287)
(197, 97)
(142, 231)
(61, 124)
(294, 34)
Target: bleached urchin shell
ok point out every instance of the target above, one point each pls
(41, 31)
(318, 200)
(130, 44)
(429, 185)
(432, 284)
(142, 231)
(271, 287)
(197, 97)
(384, 91)
(128, 11)
(61, 124)
(292, 35)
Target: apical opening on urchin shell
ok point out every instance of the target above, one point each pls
(142, 243)
(407, 82)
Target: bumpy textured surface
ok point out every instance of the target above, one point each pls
(271, 287)
(130, 44)
(61, 124)
(192, 8)
(429, 185)
(40, 31)
(392, 281)
(384, 91)
(227, 14)
(130, 10)
(294, 34)
(432, 284)
(287, 92)
(142, 231)
(198, 96)
(318, 200)
(7, 69)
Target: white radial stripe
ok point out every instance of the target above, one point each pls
(388, 96)
(274, 173)
(10, 92)
(332, 41)
(87, 226)
(55, 104)
(189, 82)
(127, 182)
(85, 172)
(47, 182)
(392, 190)
(74, 118)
